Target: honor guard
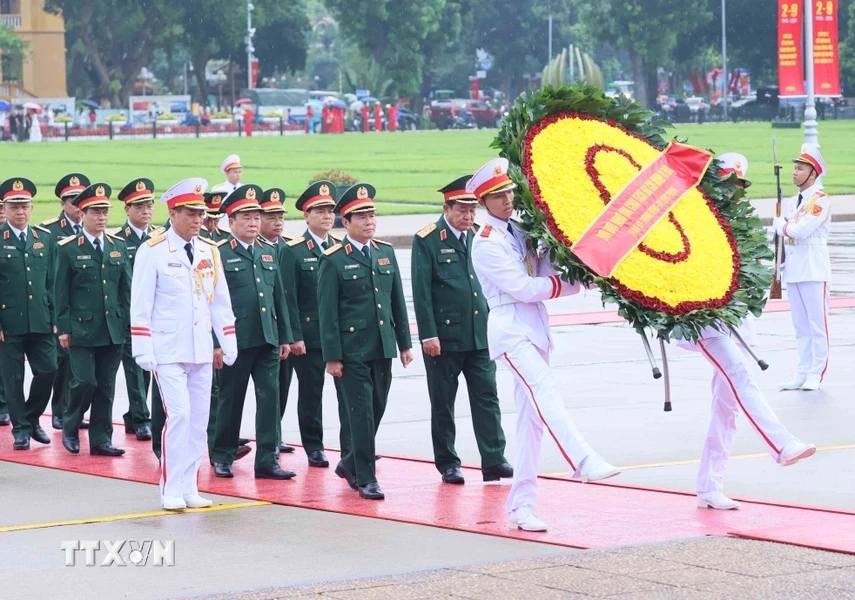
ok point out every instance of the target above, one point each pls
(179, 297)
(93, 288)
(451, 313)
(263, 338)
(299, 262)
(138, 199)
(27, 312)
(516, 278)
(66, 224)
(233, 171)
(807, 268)
(363, 323)
(211, 226)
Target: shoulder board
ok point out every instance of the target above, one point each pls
(485, 231)
(114, 237)
(425, 231)
(156, 240)
(157, 232)
(335, 239)
(113, 231)
(820, 194)
(208, 241)
(224, 228)
(67, 240)
(382, 242)
(476, 225)
(50, 222)
(296, 241)
(221, 242)
(40, 228)
(332, 249)
(261, 240)
(286, 238)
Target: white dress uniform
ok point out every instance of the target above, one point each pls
(515, 282)
(232, 161)
(175, 305)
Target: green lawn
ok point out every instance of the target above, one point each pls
(405, 168)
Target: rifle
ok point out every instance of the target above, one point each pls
(775, 289)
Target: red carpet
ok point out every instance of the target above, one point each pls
(579, 515)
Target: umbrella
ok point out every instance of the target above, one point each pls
(338, 103)
(243, 101)
(5, 106)
(33, 106)
(90, 103)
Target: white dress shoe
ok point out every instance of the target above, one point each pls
(795, 451)
(594, 468)
(716, 500)
(811, 384)
(523, 518)
(795, 383)
(197, 501)
(173, 503)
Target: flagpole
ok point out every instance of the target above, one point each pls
(811, 132)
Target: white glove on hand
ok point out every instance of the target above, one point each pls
(229, 358)
(146, 362)
(778, 225)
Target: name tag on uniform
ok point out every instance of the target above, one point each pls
(232, 260)
(313, 259)
(349, 267)
(173, 264)
(84, 257)
(383, 262)
(131, 247)
(447, 250)
(115, 254)
(38, 246)
(266, 258)
(10, 247)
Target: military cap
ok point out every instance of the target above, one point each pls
(139, 190)
(272, 200)
(456, 191)
(71, 185)
(357, 198)
(810, 156)
(320, 193)
(17, 189)
(188, 193)
(232, 161)
(214, 203)
(242, 199)
(96, 195)
(491, 178)
(732, 162)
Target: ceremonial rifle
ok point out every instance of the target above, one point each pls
(775, 289)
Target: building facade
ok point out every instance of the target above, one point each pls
(42, 71)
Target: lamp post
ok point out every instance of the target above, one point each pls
(145, 76)
(725, 79)
(220, 78)
(249, 47)
(811, 132)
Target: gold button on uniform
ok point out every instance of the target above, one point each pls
(351, 330)
(257, 280)
(381, 322)
(263, 309)
(105, 281)
(308, 319)
(379, 306)
(475, 294)
(476, 312)
(448, 321)
(261, 294)
(354, 276)
(31, 297)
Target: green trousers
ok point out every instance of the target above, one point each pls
(93, 381)
(262, 365)
(365, 387)
(61, 381)
(443, 374)
(137, 381)
(286, 374)
(4, 408)
(311, 370)
(40, 351)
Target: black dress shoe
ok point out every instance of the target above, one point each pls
(71, 444)
(56, 422)
(497, 472)
(453, 475)
(342, 472)
(84, 424)
(372, 491)
(223, 470)
(143, 433)
(157, 454)
(286, 448)
(40, 436)
(242, 451)
(4, 419)
(105, 449)
(377, 457)
(318, 459)
(274, 472)
(243, 441)
(22, 442)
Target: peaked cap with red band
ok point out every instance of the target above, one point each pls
(96, 195)
(139, 190)
(17, 189)
(189, 193)
(320, 193)
(357, 198)
(732, 162)
(71, 185)
(810, 156)
(491, 178)
(272, 199)
(244, 198)
(232, 161)
(456, 191)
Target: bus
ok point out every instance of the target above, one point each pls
(270, 100)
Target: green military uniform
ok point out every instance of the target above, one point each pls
(62, 227)
(137, 419)
(27, 316)
(362, 317)
(93, 295)
(261, 325)
(450, 306)
(4, 409)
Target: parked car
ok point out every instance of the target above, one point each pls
(748, 109)
(442, 112)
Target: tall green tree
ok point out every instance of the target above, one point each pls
(12, 50)
(847, 50)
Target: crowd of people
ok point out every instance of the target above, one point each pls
(218, 296)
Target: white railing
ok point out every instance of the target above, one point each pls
(12, 21)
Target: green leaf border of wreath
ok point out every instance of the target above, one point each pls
(754, 276)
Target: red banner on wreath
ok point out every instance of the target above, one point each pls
(826, 58)
(790, 36)
(636, 210)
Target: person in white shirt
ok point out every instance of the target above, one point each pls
(233, 171)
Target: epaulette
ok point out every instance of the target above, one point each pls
(157, 232)
(296, 241)
(208, 241)
(67, 240)
(286, 238)
(221, 242)
(332, 249)
(425, 231)
(114, 237)
(113, 231)
(156, 240)
(261, 240)
(50, 222)
(224, 228)
(476, 225)
(485, 232)
(335, 239)
(382, 242)
(40, 228)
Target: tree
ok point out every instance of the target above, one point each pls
(12, 50)
(847, 49)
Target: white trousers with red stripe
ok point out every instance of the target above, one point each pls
(733, 388)
(809, 301)
(539, 404)
(186, 392)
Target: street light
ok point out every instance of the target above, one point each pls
(250, 32)
(725, 78)
(811, 132)
(145, 76)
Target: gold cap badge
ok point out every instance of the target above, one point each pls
(274, 196)
(99, 191)
(74, 181)
(198, 189)
(17, 186)
(140, 186)
(324, 190)
(250, 194)
(497, 170)
(362, 193)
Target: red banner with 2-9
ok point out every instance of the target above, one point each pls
(826, 59)
(790, 37)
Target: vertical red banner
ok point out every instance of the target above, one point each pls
(255, 70)
(790, 36)
(826, 58)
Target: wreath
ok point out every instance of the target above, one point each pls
(572, 150)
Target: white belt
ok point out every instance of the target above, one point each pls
(501, 300)
(806, 242)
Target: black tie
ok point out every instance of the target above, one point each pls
(366, 252)
(249, 249)
(23, 238)
(144, 236)
(799, 203)
(97, 243)
(325, 245)
(188, 248)
(463, 239)
(76, 229)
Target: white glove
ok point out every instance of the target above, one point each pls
(229, 358)
(778, 225)
(146, 362)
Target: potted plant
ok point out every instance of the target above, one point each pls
(221, 118)
(168, 119)
(59, 121)
(271, 118)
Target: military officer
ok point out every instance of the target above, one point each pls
(451, 313)
(299, 266)
(179, 298)
(516, 280)
(362, 318)
(210, 227)
(66, 224)
(263, 338)
(27, 312)
(4, 409)
(233, 171)
(807, 269)
(93, 293)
